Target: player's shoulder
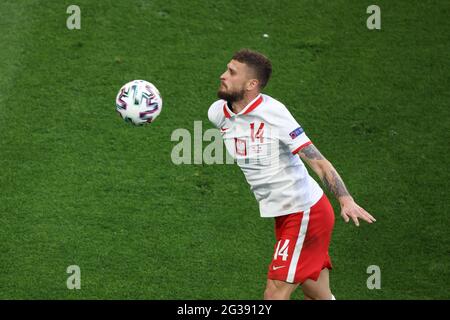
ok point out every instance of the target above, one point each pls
(215, 112)
(274, 107)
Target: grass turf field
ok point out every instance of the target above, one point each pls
(80, 187)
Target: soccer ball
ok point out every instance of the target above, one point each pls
(139, 102)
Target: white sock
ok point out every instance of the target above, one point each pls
(332, 297)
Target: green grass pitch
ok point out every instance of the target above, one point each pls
(78, 186)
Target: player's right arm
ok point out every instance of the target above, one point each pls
(334, 183)
(215, 113)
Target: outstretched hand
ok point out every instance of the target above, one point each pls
(350, 209)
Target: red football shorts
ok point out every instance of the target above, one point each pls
(301, 250)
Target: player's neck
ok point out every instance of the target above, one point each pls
(238, 106)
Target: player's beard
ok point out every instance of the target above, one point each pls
(232, 96)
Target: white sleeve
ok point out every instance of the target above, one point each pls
(290, 132)
(215, 113)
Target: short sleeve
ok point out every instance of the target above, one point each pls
(290, 132)
(215, 113)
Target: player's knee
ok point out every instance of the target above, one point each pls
(319, 295)
(274, 293)
(271, 294)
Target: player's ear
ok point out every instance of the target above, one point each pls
(252, 84)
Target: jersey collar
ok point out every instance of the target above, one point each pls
(248, 108)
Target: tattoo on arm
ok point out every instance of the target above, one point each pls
(334, 183)
(330, 178)
(312, 153)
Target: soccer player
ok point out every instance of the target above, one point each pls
(269, 146)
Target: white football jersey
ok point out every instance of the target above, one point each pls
(264, 138)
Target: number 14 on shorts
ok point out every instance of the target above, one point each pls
(282, 250)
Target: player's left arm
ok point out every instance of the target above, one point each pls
(333, 182)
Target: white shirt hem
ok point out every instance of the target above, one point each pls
(291, 210)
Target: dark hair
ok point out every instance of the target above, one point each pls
(258, 62)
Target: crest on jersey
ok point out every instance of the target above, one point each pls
(294, 134)
(241, 147)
